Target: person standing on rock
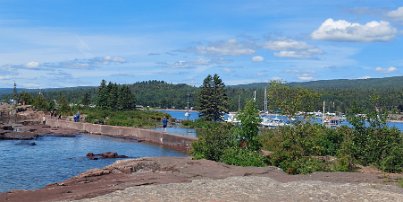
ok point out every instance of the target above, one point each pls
(164, 123)
(44, 120)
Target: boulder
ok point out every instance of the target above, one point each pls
(105, 155)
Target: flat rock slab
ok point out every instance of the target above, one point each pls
(18, 136)
(179, 179)
(252, 188)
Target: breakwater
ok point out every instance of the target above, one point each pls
(140, 134)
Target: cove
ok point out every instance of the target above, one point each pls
(54, 159)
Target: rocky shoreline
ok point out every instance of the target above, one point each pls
(149, 179)
(32, 130)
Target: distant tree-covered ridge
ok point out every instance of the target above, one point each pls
(340, 95)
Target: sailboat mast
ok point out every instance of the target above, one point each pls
(265, 101)
(323, 112)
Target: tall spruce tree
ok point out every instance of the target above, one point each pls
(213, 99)
(113, 90)
(126, 100)
(102, 96)
(86, 99)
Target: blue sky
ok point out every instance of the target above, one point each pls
(60, 43)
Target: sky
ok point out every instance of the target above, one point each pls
(64, 43)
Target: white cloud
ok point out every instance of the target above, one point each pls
(257, 58)
(290, 48)
(386, 70)
(364, 77)
(113, 59)
(396, 14)
(305, 77)
(230, 47)
(342, 30)
(32, 64)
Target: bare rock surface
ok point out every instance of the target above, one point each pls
(184, 179)
(252, 188)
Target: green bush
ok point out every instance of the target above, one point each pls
(393, 162)
(242, 157)
(213, 140)
(131, 118)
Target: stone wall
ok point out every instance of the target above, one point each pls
(155, 137)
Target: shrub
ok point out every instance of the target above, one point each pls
(242, 157)
(393, 162)
(213, 141)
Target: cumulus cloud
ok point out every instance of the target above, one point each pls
(386, 69)
(32, 64)
(305, 77)
(231, 47)
(290, 48)
(342, 30)
(258, 58)
(396, 14)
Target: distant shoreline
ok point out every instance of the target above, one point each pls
(179, 110)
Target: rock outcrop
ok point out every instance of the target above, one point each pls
(106, 155)
(184, 179)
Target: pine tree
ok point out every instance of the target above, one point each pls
(86, 99)
(103, 94)
(213, 99)
(113, 95)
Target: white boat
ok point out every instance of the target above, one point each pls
(232, 118)
(272, 122)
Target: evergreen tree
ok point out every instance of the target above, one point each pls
(249, 128)
(64, 107)
(113, 96)
(15, 94)
(86, 99)
(213, 99)
(126, 100)
(103, 94)
(40, 102)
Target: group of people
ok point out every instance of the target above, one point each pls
(55, 114)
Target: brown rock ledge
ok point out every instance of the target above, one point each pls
(154, 171)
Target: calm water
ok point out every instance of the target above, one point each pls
(180, 115)
(54, 159)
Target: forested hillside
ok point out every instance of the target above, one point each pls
(339, 94)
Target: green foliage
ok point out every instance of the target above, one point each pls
(63, 105)
(213, 99)
(102, 95)
(290, 100)
(86, 99)
(40, 103)
(249, 128)
(294, 147)
(130, 118)
(25, 98)
(375, 143)
(213, 140)
(113, 96)
(242, 157)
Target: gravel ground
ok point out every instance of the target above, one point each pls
(255, 188)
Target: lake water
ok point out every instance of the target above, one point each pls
(180, 115)
(55, 159)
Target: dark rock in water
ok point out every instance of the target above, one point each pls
(18, 136)
(28, 143)
(106, 155)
